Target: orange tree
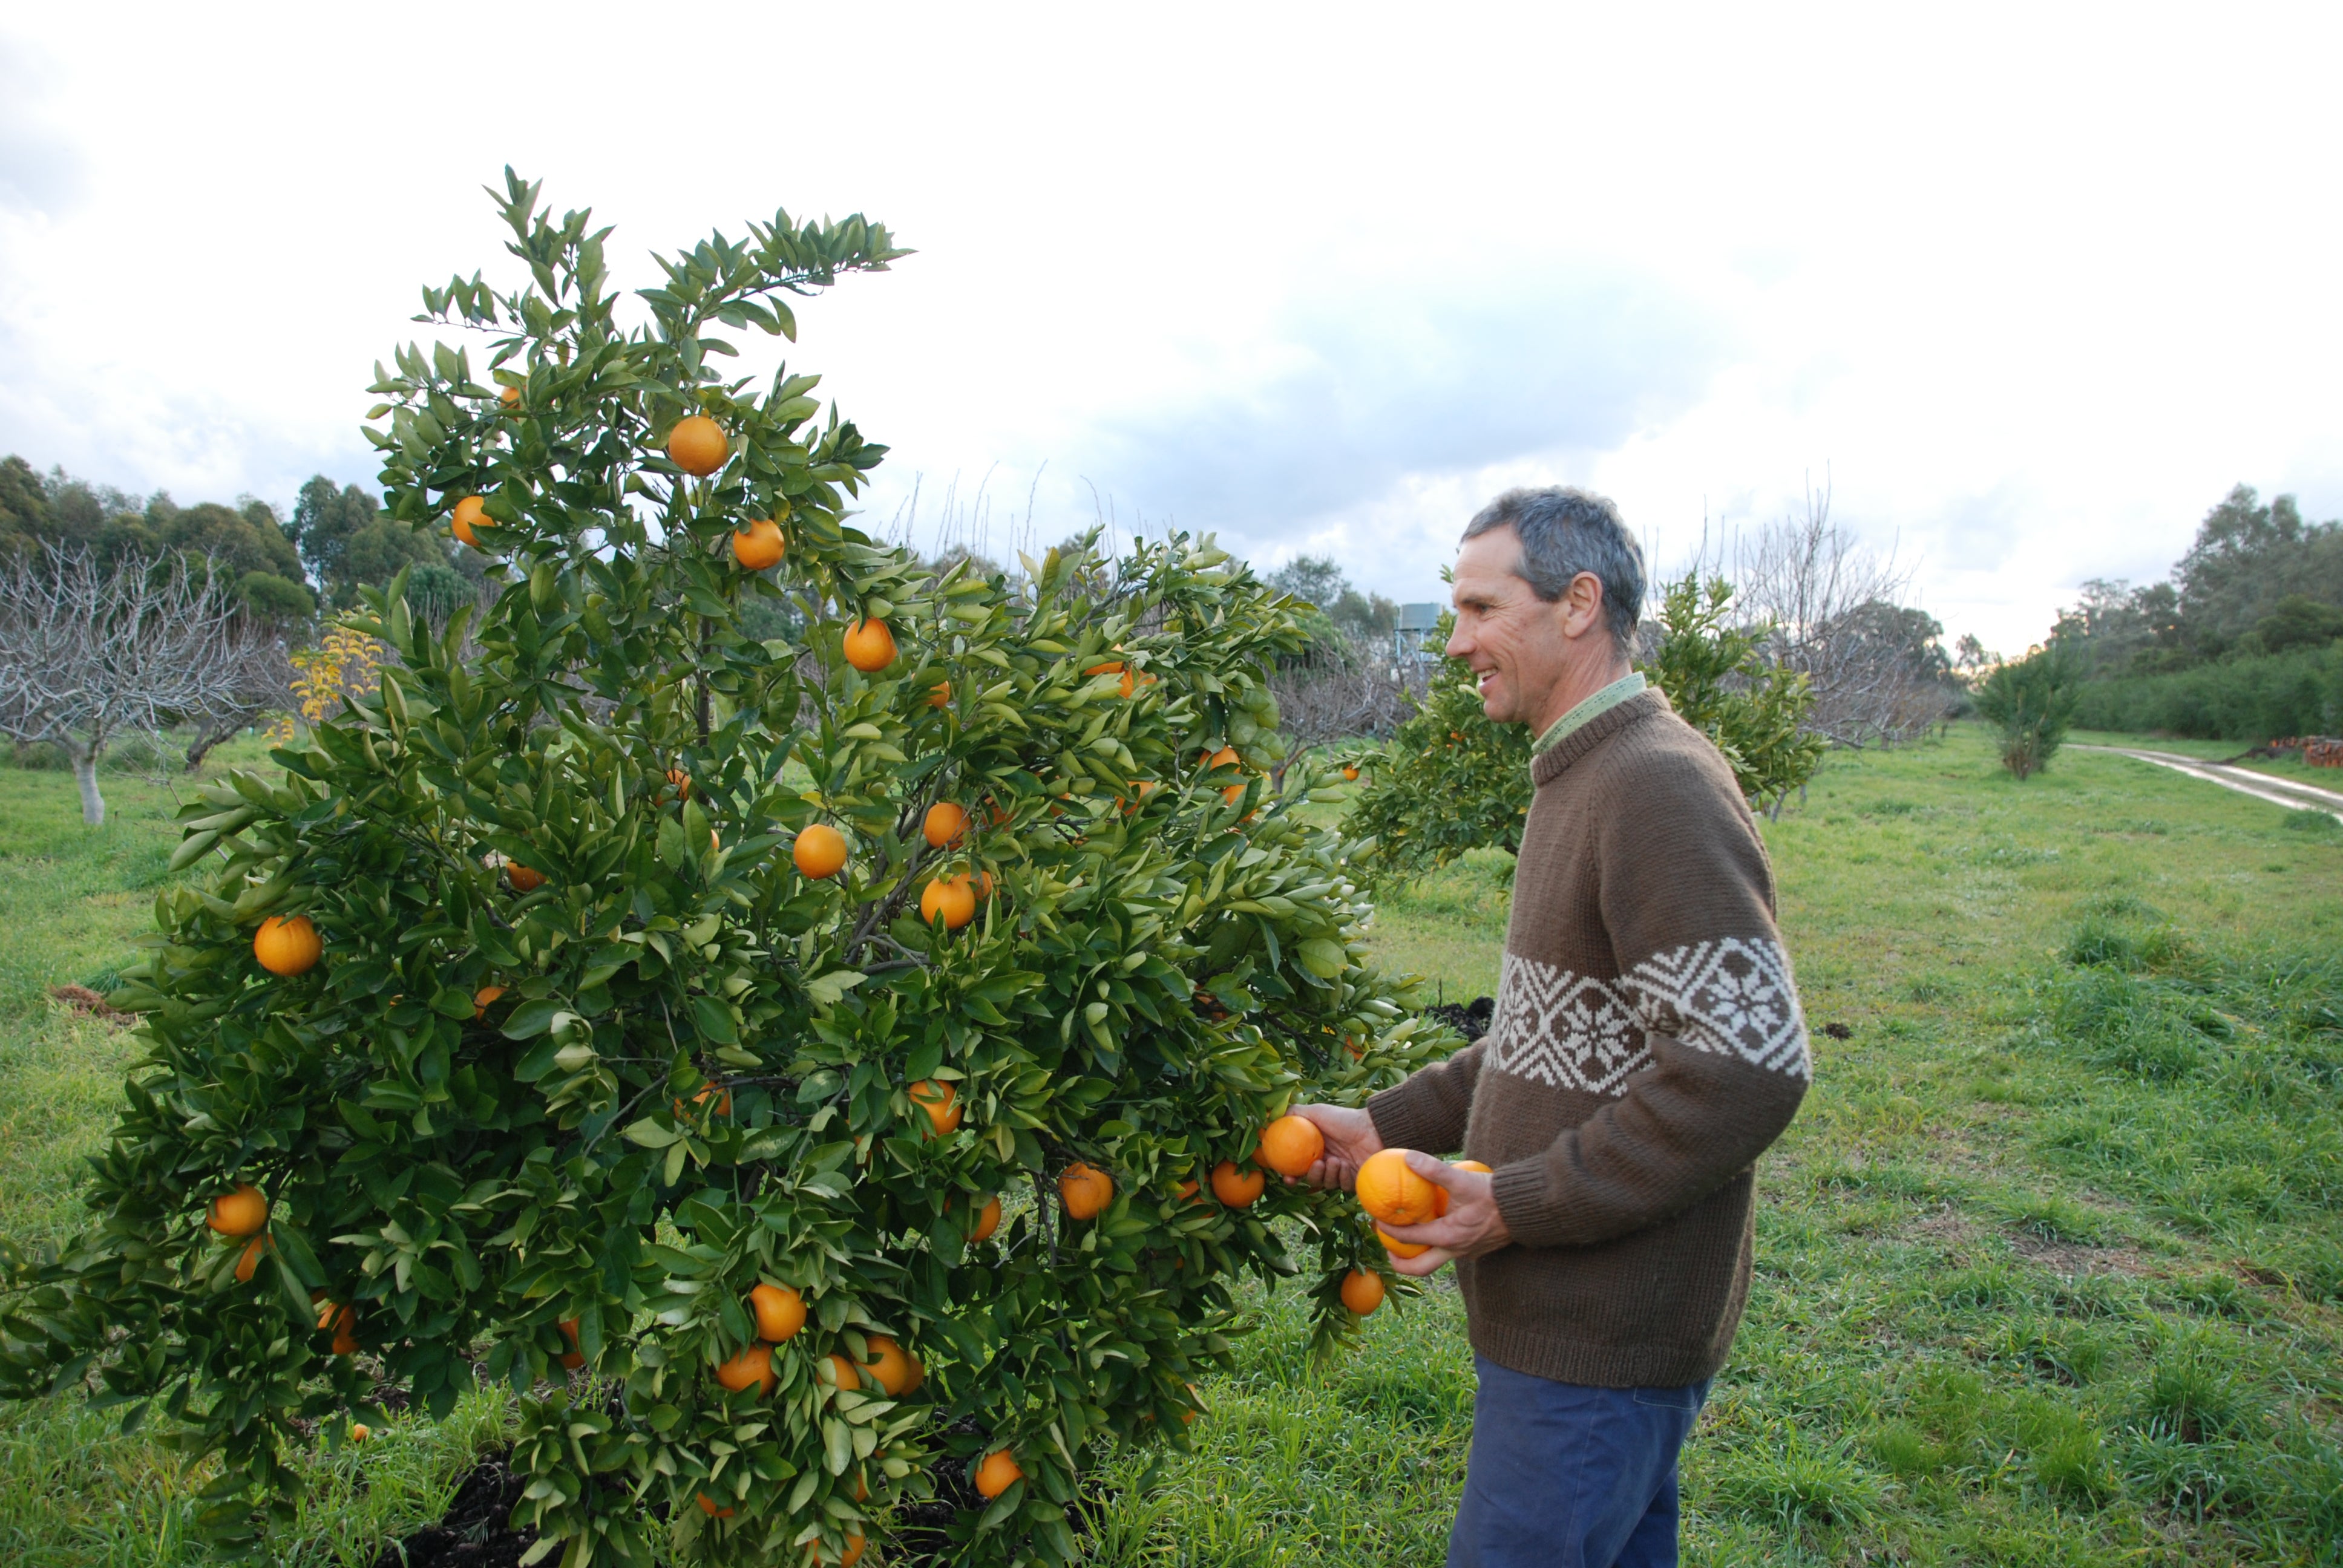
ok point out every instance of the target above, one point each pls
(551, 1056)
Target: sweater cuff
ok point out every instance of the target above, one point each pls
(1407, 1117)
(1525, 1199)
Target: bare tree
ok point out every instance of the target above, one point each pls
(88, 652)
(1333, 694)
(1838, 614)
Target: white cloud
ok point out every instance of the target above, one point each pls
(2035, 287)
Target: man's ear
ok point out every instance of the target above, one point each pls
(1582, 606)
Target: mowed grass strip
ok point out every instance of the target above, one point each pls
(2044, 1267)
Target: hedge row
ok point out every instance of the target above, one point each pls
(2254, 699)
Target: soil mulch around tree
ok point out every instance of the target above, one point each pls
(476, 1531)
(1470, 1019)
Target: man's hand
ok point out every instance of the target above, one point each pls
(1472, 1226)
(1350, 1137)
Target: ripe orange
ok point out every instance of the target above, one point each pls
(247, 1263)
(1084, 1191)
(1350, 775)
(752, 1367)
(757, 546)
(483, 997)
(240, 1213)
(360, 1432)
(1226, 757)
(697, 446)
(573, 1357)
(708, 1506)
(342, 1320)
(853, 1552)
(508, 396)
(471, 513)
(1399, 1249)
(998, 1473)
(522, 879)
(893, 1368)
(1184, 1192)
(954, 897)
(780, 1311)
(988, 1221)
(944, 825)
(869, 645)
(287, 947)
(1141, 788)
(1291, 1145)
(680, 782)
(1236, 1188)
(723, 1098)
(821, 852)
(1363, 1292)
(1114, 667)
(940, 695)
(1473, 1165)
(1394, 1194)
(842, 1373)
(939, 1100)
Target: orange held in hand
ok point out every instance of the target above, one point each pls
(939, 1101)
(954, 897)
(779, 1311)
(240, 1213)
(757, 546)
(471, 513)
(1363, 1292)
(287, 947)
(944, 825)
(1291, 1145)
(697, 446)
(1394, 1194)
(1236, 1188)
(752, 1368)
(1085, 1191)
(820, 851)
(1399, 1249)
(869, 645)
(998, 1473)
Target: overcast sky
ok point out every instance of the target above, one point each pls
(2032, 288)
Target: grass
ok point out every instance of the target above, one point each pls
(2049, 1268)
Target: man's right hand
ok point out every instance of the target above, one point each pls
(1350, 1137)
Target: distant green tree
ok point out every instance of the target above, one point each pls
(24, 506)
(1718, 679)
(2297, 620)
(2249, 555)
(2031, 701)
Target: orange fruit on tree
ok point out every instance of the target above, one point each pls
(508, 396)
(1236, 1188)
(247, 1263)
(842, 1373)
(697, 446)
(1363, 1292)
(941, 695)
(779, 1311)
(893, 1368)
(1185, 1191)
(944, 825)
(820, 851)
(1226, 757)
(1394, 1194)
(1085, 1191)
(288, 946)
(1114, 667)
(954, 897)
(939, 1100)
(988, 1221)
(869, 645)
(753, 1367)
(241, 1212)
(1291, 1145)
(343, 1321)
(680, 782)
(1397, 1247)
(483, 997)
(708, 1506)
(471, 513)
(522, 879)
(852, 1552)
(998, 1473)
(573, 1357)
(1350, 775)
(757, 546)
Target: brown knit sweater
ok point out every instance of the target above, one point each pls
(1646, 1047)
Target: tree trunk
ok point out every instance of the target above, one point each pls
(207, 735)
(84, 767)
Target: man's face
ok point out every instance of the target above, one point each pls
(1514, 640)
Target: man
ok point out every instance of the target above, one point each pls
(1646, 1047)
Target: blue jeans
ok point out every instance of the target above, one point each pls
(1563, 1476)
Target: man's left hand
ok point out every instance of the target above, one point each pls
(1471, 1226)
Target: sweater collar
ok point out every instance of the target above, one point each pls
(1550, 764)
(1601, 703)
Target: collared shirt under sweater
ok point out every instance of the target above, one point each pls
(1647, 1045)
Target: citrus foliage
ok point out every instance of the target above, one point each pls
(1449, 781)
(2030, 702)
(586, 1059)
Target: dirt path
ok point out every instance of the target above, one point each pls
(2244, 780)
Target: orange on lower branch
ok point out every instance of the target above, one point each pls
(239, 1213)
(753, 1367)
(998, 1473)
(1363, 1292)
(697, 446)
(779, 1311)
(988, 1221)
(951, 898)
(944, 825)
(1234, 1187)
(287, 947)
(757, 546)
(891, 1367)
(939, 1100)
(820, 851)
(573, 1357)
(869, 645)
(1085, 1191)
(1291, 1145)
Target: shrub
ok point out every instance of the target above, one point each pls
(2031, 702)
(2244, 698)
(586, 1059)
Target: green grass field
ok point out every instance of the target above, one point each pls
(2050, 1270)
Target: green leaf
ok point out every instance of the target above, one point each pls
(531, 1019)
(1323, 958)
